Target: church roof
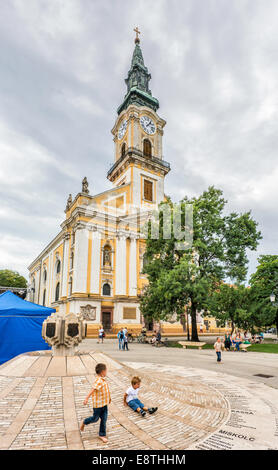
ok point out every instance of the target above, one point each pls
(137, 81)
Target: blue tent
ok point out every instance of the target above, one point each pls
(20, 326)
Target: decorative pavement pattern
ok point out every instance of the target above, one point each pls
(41, 406)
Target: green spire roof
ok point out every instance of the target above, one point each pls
(137, 82)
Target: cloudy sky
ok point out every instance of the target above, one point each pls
(214, 70)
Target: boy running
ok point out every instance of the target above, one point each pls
(101, 398)
(131, 398)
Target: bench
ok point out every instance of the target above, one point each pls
(242, 346)
(184, 344)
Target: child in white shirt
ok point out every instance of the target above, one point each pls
(131, 398)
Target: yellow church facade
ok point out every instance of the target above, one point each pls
(94, 265)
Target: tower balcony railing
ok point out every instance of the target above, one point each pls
(139, 153)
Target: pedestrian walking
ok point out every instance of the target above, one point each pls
(120, 337)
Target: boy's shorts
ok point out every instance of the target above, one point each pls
(134, 404)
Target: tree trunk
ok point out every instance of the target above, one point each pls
(276, 322)
(187, 326)
(194, 331)
(183, 322)
(233, 327)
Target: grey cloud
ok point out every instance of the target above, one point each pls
(63, 64)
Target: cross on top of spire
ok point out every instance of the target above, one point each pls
(137, 40)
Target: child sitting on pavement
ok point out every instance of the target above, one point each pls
(131, 398)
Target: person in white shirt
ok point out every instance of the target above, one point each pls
(218, 346)
(131, 398)
(100, 334)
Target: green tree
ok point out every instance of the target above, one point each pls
(232, 303)
(179, 278)
(263, 282)
(10, 278)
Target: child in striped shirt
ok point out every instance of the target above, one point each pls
(101, 398)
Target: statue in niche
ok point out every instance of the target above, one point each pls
(107, 256)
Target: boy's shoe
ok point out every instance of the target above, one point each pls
(143, 413)
(152, 410)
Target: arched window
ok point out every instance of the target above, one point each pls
(145, 260)
(44, 275)
(71, 260)
(70, 285)
(58, 267)
(44, 297)
(57, 292)
(123, 149)
(147, 148)
(107, 256)
(106, 289)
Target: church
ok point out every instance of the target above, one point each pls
(94, 265)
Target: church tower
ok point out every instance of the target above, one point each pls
(138, 133)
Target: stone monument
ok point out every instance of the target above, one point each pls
(64, 332)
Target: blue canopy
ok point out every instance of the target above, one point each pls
(20, 326)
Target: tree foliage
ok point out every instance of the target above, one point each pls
(263, 282)
(179, 278)
(10, 278)
(232, 303)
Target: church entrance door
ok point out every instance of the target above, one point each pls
(107, 320)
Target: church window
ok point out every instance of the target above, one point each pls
(44, 297)
(58, 267)
(147, 148)
(71, 260)
(123, 149)
(44, 275)
(70, 285)
(148, 190)
(57, 292)
(106, 289)
(145, 260)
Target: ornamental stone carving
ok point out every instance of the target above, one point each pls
(88, 312)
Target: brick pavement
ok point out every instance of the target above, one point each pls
(41, 405)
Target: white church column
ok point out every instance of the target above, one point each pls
(95, 263)
(65, 265)
(133, 267)
(80, 259)
(121, 266)
(50, 278)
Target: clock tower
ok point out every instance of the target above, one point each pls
(138, 133)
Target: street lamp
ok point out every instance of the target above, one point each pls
(272, 299)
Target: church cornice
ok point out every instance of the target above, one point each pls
(133, 155)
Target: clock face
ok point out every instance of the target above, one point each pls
(121, 131)
(148, 125)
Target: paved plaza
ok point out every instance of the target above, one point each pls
(238, 364)
(41, 400)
